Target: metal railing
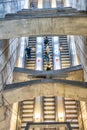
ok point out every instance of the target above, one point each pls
(48, 125)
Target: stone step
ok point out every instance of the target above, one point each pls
(49, 107)
(28, 106)
(27, 119)
(49, 99)
(28, 103)
(48, 112)
(49, 103)
(27, 110)
(49, 117)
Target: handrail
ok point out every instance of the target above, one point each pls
(48, 125)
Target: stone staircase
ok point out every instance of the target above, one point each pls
(51, 54)
(70, 104)
(71, 113)
(49, 103)
(30, 63)
(49, 110)
(64, 52)
(27, 111)
(49, 114)
(27, 106)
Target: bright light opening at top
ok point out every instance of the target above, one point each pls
(55, 39)
(67, 3)
(26, 4)
(39, 39)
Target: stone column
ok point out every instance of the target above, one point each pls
(60, 114)
(38, 109)
(13, 122)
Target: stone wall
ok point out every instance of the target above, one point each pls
(8, 57)
(81, 47)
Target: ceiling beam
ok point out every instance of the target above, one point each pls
(46, 24)
(45, 87)
(71, 73)
(51, 73)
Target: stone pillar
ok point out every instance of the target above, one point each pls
(40, 3)
(38, 109)
(60, 114)
(53, 4)
(13, 121)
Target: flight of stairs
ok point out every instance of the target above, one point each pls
(51, 54)
(49, 110)
(70, 104)
(64, 52)
(27, 110)
(49, 104)
(71, 113)
(27, 106)
(30, 63)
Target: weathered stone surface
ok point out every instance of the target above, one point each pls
(2, 113)
(45, 87)
(82, 52)
(72, 73)
(3, 125)
(76, 75)
(4, 118)
(28, 26)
